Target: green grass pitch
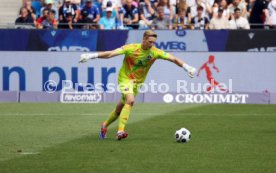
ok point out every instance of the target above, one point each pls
(63, 138)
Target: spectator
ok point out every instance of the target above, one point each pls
(56, 4)
(52, 19)
(93, 11)
(153, 3)
(272, 13)
(259, 14)
(50, 7)
(24, 18)
(45, 15)
(192, 10)
(107, 22)
(68, 8)
(181, 5)
(219, 22)
(199, 21)
(115, 4)
(237, 4)
(222, 4)
(146, 14)
(239, 22)
(67, 22)
(129, 15)
(47, 21)
(114, 10)
(168, 8)
(181, 21)
(31, 10)
(208, 5)
(162, 21)
(86, 22)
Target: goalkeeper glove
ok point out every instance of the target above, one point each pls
(191, 70)
(87, 56)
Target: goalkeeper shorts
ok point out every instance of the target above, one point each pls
(128, 87)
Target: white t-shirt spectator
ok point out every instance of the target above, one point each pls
(226, 12)
(240, 23)
(219, 23)
(272, 11)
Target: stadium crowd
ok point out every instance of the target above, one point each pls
(148, 14)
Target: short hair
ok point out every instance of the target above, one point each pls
(52, 11)
(46, 9)
(237, 9)
(23, 8)
(181, 10)
(199, 7)
(160, 9)
(149, 33)
(109, 4)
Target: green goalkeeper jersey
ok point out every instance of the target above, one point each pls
(137, 62)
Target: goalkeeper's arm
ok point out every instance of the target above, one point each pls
(191, 70)
(104, 55)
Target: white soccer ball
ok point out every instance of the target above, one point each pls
(183, 135)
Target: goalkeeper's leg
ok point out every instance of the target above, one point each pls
(124, 116)
(111, 118)
(114, 114)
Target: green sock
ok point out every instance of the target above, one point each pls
(111, 118)
(124, 117)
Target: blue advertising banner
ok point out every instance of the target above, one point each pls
(109, 39)
(168, 40)
(63, 40)
(48, 40)
(14, 40)
(216, 39)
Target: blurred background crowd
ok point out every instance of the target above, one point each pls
(148, 14)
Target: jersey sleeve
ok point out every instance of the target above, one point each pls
(160, 54)
(124, 49)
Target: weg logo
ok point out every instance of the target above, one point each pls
(171, 46)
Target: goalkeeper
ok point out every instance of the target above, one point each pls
(137, 62)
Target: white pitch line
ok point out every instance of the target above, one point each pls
(29, 153)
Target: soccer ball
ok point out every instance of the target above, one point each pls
(183, 135)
